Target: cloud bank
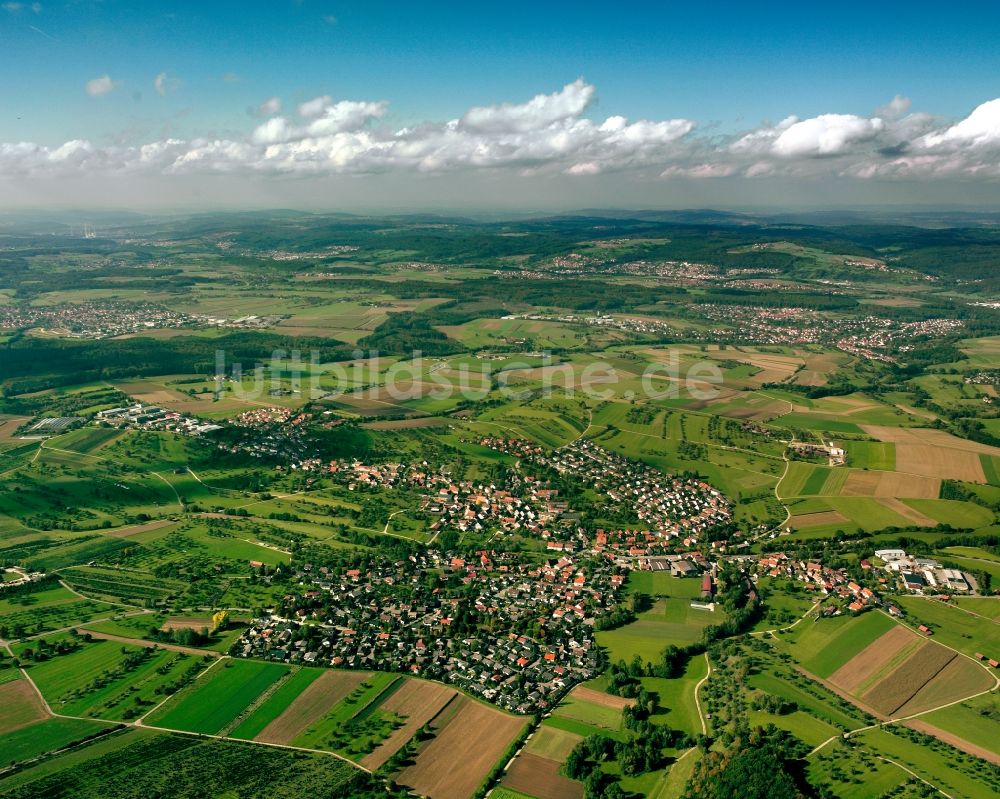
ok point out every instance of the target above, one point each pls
(552, 133)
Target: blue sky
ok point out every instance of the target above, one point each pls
(729, 68)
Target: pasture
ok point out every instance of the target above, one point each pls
(669, 621)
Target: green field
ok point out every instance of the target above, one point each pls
(872, 455)
(952, 627)
(218, 696)
(276, 703)
(184, 767)
(941, 765)
(589, 714)
(49, 609)
(670, 621)
(975, 720)
(676, 706)
(824, 645)
(45, 736)
(108, 680)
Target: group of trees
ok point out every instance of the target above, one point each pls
(761, 766)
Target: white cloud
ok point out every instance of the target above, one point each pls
(548, 134)
(270, 107)
(165, 84)
(827, 134)
(539, 112)
(314, 107)
(17, 8)
(978, 130)
(98, 87)
(330, 19)
(895, 108)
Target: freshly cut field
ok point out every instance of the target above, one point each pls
(8, 424)
(419, 702)
(889, 648)
(539, 777)
(407, 424)
(476, 734)
(311, 705)
(901, 673)
(585, 694)
(552, 743)
(135, 529)
(816, 519)
(218, 697)
(21, 705)
(935, 453)
(903, 683)
(908, 512)
(578, 707)
(860, 483)
(187, 623)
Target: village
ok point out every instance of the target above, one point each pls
(871, 337)
(91, 320)
(516, 634)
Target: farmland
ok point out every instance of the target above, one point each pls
(218, 698)
(345, 569)
(484, 733)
